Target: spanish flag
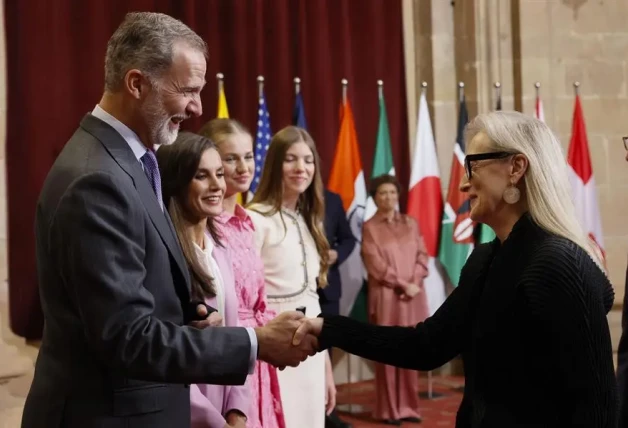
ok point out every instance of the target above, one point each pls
(223, 111)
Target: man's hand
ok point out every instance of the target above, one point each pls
(275, 341)
(236, 420)
(333, 257)
(308, 327)
(213, 320)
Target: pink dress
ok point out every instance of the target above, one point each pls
(394, 256)
(237, 235)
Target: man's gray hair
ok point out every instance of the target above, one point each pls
(144, 42)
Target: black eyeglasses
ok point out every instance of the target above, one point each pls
(486, 156)
(625, 143)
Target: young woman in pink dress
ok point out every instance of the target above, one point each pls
(235, 146)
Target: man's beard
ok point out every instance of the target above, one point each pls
(158, 121)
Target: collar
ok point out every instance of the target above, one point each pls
(129, 136)
(384, 219)
(208, 243)
(239, 215)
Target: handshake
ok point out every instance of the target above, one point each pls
(288, 339)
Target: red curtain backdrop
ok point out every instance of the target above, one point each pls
(55, 52)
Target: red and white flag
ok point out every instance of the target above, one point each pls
(538, 109)
(582, 181)
(425, 201)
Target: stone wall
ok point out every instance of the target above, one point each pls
(586, 41)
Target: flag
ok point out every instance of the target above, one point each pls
(484, 232)
(262, 140)
(223, 111)
(382, 160)
(425, 201)
(347, 179)
(582, 180)
(538, 109)
(456, 241)
(298, 115)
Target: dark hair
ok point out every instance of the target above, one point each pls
(311, 203)
(178, 164)
(380, 180)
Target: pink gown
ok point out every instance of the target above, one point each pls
(237, 235)
(394, 256)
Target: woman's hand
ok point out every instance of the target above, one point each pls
(330, 386)
(311, 326)
(412, 290)
(215, 319)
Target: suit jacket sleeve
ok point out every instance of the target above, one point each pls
(345, 241)
(98, 235)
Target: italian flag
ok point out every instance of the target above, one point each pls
(582, 180)
(425, 201)
(347, 179)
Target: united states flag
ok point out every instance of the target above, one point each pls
(262, 140)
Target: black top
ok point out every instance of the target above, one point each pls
(529, 319)
(622, 362)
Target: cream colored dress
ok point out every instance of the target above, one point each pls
(291, 266)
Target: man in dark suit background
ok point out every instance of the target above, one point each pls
(115, 288)
(622, 350)
(342, 243)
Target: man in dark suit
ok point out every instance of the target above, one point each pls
(622, 349)
(342, 243)
(115, 288)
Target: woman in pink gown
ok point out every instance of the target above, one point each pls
(396, 261)
(235, 146)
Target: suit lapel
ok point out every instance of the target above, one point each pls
(123, 155)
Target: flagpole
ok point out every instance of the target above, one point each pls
(260, 86)
(537, 88)
(297, 86)
(380, 89)
(576, 87)
(220, 78)
(345, 83)
(498, 91)
(460, 91)
(430, 393)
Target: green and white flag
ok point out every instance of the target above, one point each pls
(382, 160)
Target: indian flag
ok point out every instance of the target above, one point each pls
(347, 179)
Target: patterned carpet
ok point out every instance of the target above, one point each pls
(438, 412)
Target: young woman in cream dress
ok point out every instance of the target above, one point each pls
(287, 211)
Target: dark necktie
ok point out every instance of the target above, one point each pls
(152, 172)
